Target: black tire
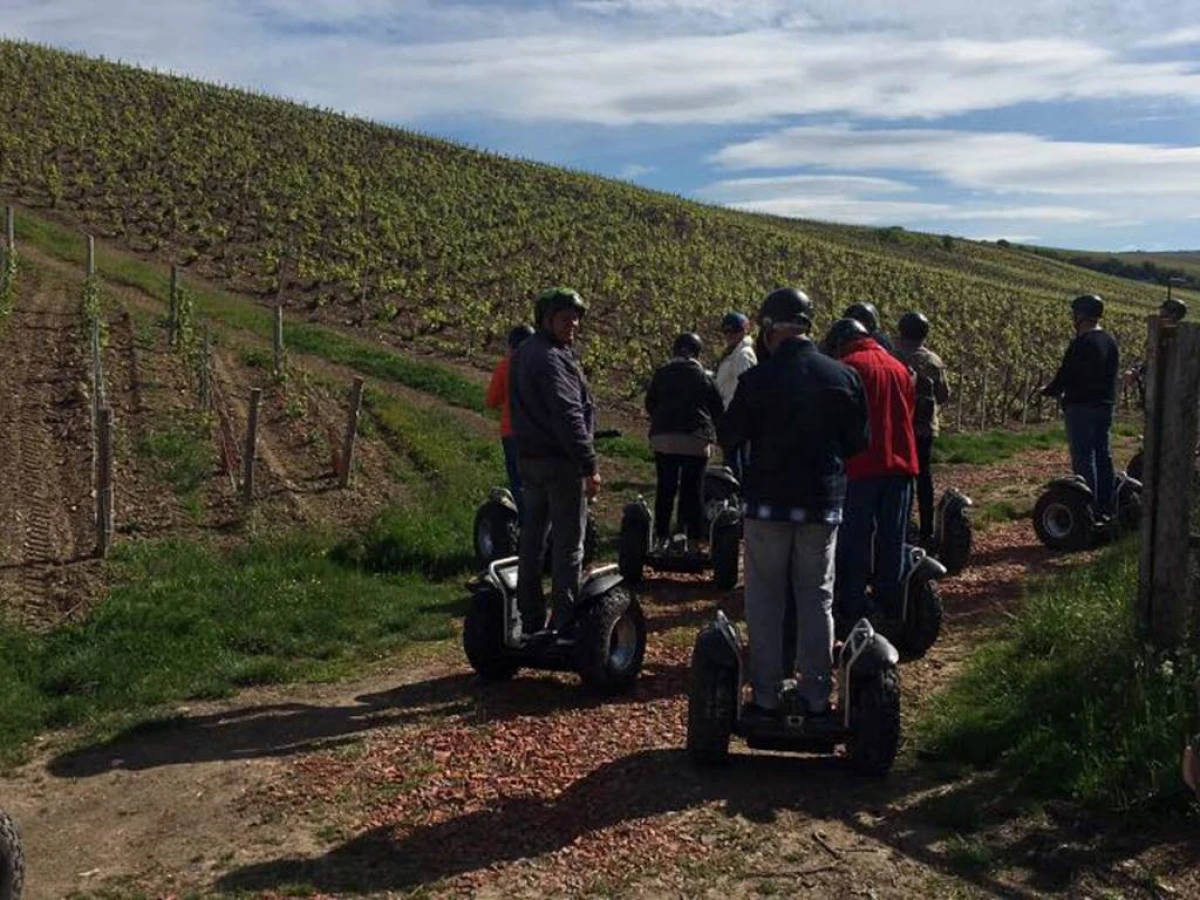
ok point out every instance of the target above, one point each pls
(712, 709)
(957, 540)
(496, 533)
(631, 547)
(483, 636)
(726, 551)
(874, 722)
(1136, 466)
(611, 642)
(12, 860)
(920, 630)
(1062, 519)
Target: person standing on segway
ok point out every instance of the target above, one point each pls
(1172, 311)
(738, 356)
(868, 315)
(804, 415)
(497, 397)
(553, 419)
(684, 406)
(1087, 383)
(931, 392)
(879, 481)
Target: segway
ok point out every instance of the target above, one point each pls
(952, 532)
(12, 860)
(865, 719)
(604, 642)
(497, 530)
(722, 520)
(1063, 517)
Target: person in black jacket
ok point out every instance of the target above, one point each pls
(1087, 383)
(684, 406)
(803, 415)
(553, 422)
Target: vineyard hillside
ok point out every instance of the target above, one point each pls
(439, 248)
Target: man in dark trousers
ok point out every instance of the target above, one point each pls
(931, 392)
(553, 421)
(1087, 383)
(804, 415)
(879, 489)
(684, 406)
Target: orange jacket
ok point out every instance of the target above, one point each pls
(497, 394)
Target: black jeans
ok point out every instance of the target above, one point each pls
(684, 474)
(925, 485)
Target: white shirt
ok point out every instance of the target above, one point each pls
(732, 365)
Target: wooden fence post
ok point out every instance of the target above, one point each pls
(278, 341)
(1165, 603)
(251, 445)
(172, 307)
(105, 512)
(356, 394)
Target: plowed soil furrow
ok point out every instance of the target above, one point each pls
(45, 449)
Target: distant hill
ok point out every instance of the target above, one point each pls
(1180, 268)
(438, 247)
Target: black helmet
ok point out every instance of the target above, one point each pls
(1087, 306)
(913, 326)
(687, 345)
(786, 306)
(841, 333)
(552, 300)
(865, 313)
(517, 335)
(1173, 309)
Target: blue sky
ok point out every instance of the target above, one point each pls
(1067, 123)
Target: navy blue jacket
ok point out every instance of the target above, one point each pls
(803, 415)
(553, 415)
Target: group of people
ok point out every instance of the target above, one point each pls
(827, 440)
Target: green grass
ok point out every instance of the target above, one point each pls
(986, 447)
(626, 446)
(186, 621)
(181, 451)
(1068, 702)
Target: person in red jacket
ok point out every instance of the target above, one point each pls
(497, 398)
(879, 480)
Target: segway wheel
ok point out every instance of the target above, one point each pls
(12, 860)
(921, 628)
(874, 722)
(957, 540)
(1062, 519)
(611, 642)
(483, 636)
(712, 708)
(631, 549)
(726, 548)
(496, 533)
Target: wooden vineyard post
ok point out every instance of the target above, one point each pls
(105, 512)
(278, 341)
(205, 379)
(1166, 611)
(251, 446)
(173, 306)
(958, 401)
(983, 402)
(1026, 390)
(356, 394)
(10, 241)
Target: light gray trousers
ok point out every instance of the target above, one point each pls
(789, 563)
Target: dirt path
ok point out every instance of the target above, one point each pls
(46, 528)
(420, 777)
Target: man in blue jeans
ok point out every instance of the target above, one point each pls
(879, 481)
(1087, 383)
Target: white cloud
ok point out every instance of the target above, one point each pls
(1181, 37)
(633, 171)
(999, 161)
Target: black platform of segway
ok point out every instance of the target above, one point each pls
(678, 562)
(807, 734)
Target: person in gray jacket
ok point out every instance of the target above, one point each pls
(553, 422)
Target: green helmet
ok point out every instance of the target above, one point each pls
(553, 299)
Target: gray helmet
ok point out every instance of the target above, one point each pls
(687, 345)
(786, 306)
(517, 335)
(1087, 306)
(553, 299)
(865, 313)
(841, 333)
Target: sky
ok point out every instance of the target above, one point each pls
(1062, 123)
